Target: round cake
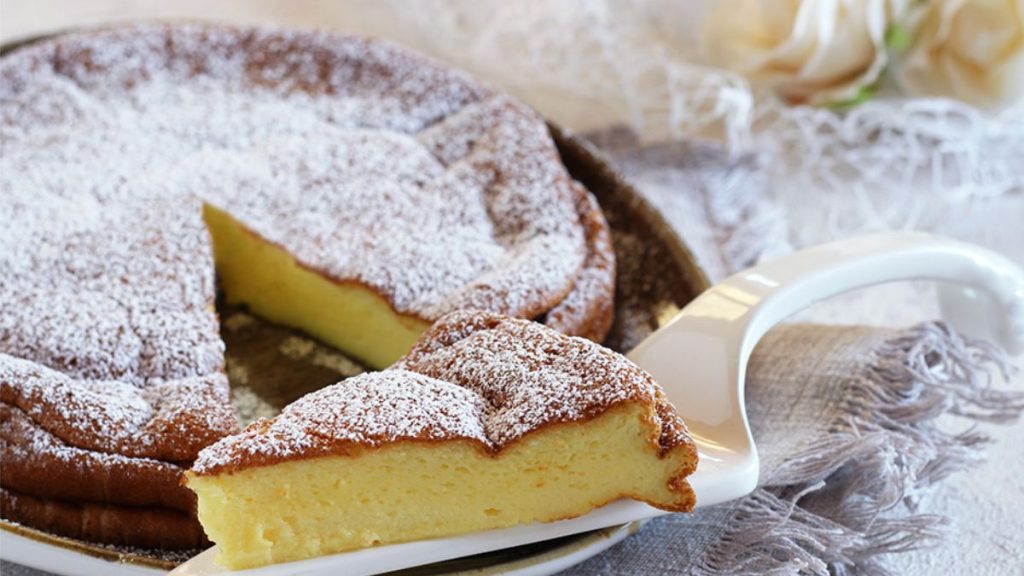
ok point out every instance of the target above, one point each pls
(336, 185)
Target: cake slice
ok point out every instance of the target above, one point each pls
(488, 422)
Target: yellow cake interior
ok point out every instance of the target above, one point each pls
(414, 490)
(346, 315)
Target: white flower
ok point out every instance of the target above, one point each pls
(816, 51)
(972, 50)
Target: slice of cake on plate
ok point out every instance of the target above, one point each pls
(488, 422)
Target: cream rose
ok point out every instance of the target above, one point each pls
(815, 51)
(972, 50)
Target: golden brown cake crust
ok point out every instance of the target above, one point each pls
(168, 421)
(37, 463)
(473, 376)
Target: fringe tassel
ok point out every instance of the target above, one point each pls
(866, 475)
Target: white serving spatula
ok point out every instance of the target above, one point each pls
(700, 359)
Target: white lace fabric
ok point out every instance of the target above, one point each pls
(594, 63)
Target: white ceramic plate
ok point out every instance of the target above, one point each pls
(536, 560)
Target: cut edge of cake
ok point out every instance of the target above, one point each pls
(345, 314)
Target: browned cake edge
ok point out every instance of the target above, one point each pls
(143, 527)
(37, 463)
(181, 424)
(589, 309)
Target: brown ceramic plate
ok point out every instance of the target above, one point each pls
(657, 275)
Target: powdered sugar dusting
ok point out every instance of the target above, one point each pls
(249, 406)
(588, 310)
(317, 354)
(26, 441)
(369, 409)
(528, 375)
(301, 136)
(367, 163)
(473, 376)
(167, 420)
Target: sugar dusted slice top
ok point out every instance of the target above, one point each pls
(473, 376)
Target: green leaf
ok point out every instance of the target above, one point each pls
(863, 94)
(897, 38)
